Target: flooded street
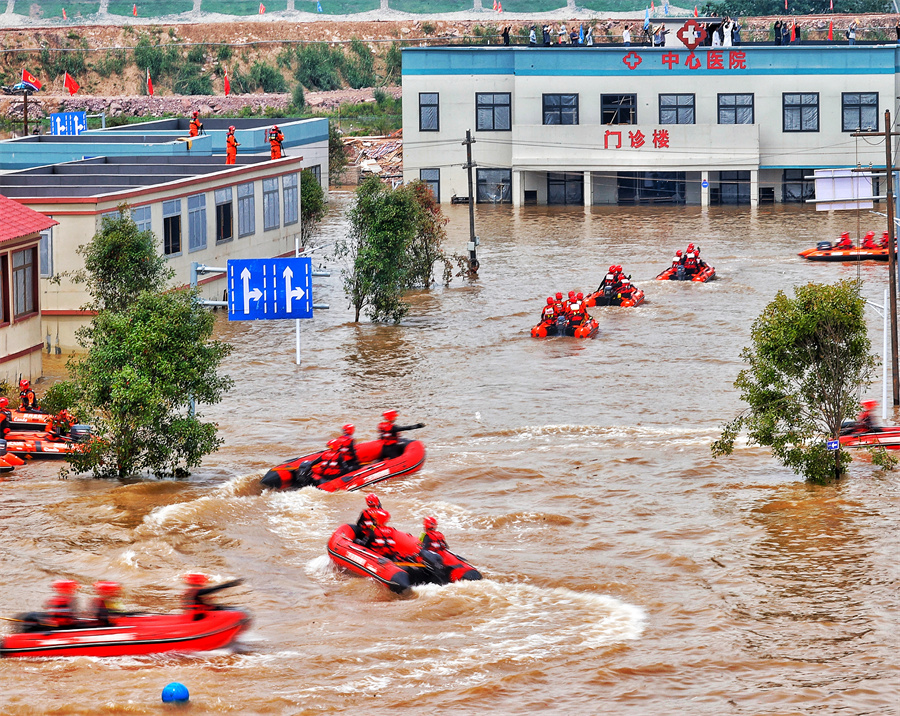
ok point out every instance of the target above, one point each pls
(626, 571)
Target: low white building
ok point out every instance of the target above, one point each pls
(606, 125)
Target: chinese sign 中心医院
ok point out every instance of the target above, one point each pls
(715, 60)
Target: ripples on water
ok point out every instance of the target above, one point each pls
(626, 571)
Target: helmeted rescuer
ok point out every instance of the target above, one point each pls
(387, 429)
(366, 521)
(626, 290)
(678, 259)
(329, 465)
(196, 124)
(5, 418)
(193, 600)
(868, 241)
(103, 607)
(61, 607)
(231, 145)
(865, 421)
(276, 140)
(381, 539)
(846, 242)
(885, 240)
(548, 315)
(431, 539)
(27, 399)
(346, 449)
(559, 305)
(691, 265)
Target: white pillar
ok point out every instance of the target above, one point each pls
(754, 187)
(518, 194)
(704, 188)
(588, 189)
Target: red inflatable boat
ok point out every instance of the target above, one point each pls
(295, 474)
(888, 438)
(130, 635)
(20, 420)
(398, 575)
(825, 252)
(601, 298)
(44, 444)
(677, 273)
(562, 327)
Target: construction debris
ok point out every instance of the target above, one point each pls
(382, 156)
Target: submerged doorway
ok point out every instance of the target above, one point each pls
(650, 187)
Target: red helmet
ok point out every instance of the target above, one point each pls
(870, 234)
(107, 589)
(559, 297)
(678, 253)
(429, 523)
(612, 268)
(274, 126)
(231, 128)
(372, 500)
(4, 403)
(549, 300)
(690, 247)
(869, 404)
(196, 114)
(195, 579)
(65, 586)
(333, 443)
(382, 517)
(845, 235)
(389, 415)
(580, 295)
(571, 294)
(618, 268)
(348, 429)
(24, 384)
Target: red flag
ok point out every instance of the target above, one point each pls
(695, 11)
(495, 5)
(499, 6)
(134, 10)
(831, 30)
(651, 5)
(785, 5)
(831, 5)
(64, 14)
(70, 84)
(149, 83)
(262, 8)
(30, 79)
(793, 31)
(227, 83)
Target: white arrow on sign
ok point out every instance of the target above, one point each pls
(292, 293)
(255, 294)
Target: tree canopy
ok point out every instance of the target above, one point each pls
(150, 357)
(312, 205)
(807, 365)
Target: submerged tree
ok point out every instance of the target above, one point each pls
(312, 205)
(808, 364)
(149, 357)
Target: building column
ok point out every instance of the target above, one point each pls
(518, 194)
(704, 188)
(754, 187)
(588, 189)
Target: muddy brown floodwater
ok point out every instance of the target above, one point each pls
(627, 572)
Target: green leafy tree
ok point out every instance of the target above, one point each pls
(312, 205)
(337, 153)
(426, 247)
(809, 361)
(150, 355)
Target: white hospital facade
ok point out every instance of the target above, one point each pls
(608, 125)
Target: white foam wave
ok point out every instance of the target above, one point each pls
(322, 569)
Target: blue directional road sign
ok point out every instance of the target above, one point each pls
(68, 123)
(269, 289)
(833, 444)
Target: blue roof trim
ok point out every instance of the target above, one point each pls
(605, 62)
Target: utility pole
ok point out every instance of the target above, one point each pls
(473, 240)
(892, 243)
(25, 110)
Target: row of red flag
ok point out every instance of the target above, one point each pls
(72, 86)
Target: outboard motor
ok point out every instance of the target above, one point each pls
(823, 245)
(561, 323)
(680, 273)
(2, 448)
(79, 433)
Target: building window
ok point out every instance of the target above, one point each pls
(172, 227)
(492, 112)
(24, 283)
(270, 204)
(565, 188)
(736, 109)
(618, 109)
(432, 178)
(111, 215)
(734, 187)
(494, 186)
(801, 111)
(316, 171)
(141, 216)
(676, 109)
(795, 187)
(4, 289)
(224, 216)
(246, 210)
(429, 116)
(291, 202)
(859, 111)
(560, 109)
(45, 252)
(196, 222)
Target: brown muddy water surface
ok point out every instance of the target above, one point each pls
(626, 571)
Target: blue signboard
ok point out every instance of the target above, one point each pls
(269, 289)
(833, 444)
(69, 124)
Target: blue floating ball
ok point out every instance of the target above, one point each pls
(175, 692)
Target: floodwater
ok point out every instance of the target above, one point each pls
(626, 571)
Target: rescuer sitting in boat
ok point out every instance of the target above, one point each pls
(194, 599)
(548, 315)
(885, 241)
(103, 607)
(381, 539)
(366, 522)
(390, 447)
(27, 400)
(346, 450)
(678, 259)
(5, 418)
(433, 544)
(692, 263)
(865, 421)
(328, 465)
(845, 243)
(868, 241)
(61, 608)
(559, 305)
(626, 290)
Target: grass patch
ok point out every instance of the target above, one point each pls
(428, 6)
(242, 7)
(146, 8)
(53, 8)
(338, 7)
(614, 6)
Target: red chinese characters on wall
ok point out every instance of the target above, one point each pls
(612, 139)
(715, 60)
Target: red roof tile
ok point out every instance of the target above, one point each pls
(17, 221)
